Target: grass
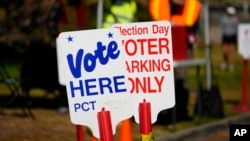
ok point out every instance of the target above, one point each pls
(51, 126)
(230, 83)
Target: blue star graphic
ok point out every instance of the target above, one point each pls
(70, 39)
(110, 35)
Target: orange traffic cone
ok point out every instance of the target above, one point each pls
(93, 138)
(126, 131)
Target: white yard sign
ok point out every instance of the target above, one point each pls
(244, 40)
(95, 76)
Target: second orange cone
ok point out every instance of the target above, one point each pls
(126, 131)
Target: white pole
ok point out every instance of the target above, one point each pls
(99, 13)
(245, 8)
(207, 44)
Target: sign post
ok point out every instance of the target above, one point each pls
(105, 125)
(145, 121)
(244, 50)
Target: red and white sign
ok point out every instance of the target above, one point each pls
(149, 64)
